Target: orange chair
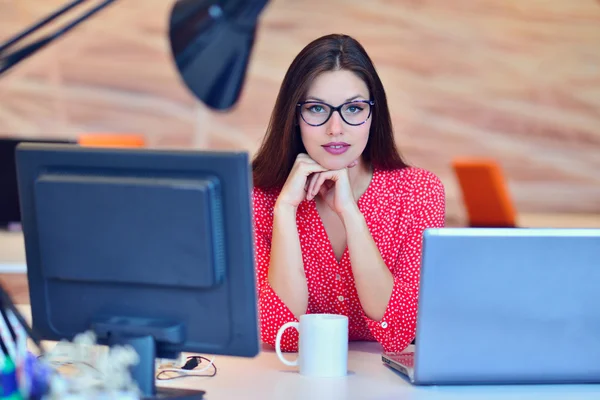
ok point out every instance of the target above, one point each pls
(485, 193)
(111, 140)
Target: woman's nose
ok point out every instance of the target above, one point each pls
(335, 124)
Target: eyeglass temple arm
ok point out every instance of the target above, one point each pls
(9, 59)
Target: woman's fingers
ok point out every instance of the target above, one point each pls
(314, 168)
(315, 175)
(320, 184)
(316, 181)
(326, 187)
(309, 167)
(311, 187)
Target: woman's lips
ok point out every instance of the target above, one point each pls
(336, 148)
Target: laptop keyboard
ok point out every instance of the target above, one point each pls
(407, 359)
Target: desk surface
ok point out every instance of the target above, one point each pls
(265, 377)
(12, 252)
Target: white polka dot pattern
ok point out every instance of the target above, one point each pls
(398, 205)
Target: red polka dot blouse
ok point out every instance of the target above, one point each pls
(398, 205)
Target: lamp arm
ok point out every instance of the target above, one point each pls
(10, 57)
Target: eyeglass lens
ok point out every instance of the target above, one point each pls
(353, 113)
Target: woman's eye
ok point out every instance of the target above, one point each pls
(354, 109)
(316, 109)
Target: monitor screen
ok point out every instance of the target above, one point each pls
(140, 244)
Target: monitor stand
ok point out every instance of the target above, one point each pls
(143, 334)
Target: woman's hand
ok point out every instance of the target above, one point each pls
(334, 187)
(294, 189)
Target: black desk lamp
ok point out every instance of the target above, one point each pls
(211, 42)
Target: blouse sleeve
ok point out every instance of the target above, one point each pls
(397, 328)
(273, 313)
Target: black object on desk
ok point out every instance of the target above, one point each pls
(179, 394)
(9, 195)
(151, 248)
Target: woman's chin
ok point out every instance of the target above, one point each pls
(333, 164)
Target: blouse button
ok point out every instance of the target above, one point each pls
(341, 298)
(384, 324)
(338, 277)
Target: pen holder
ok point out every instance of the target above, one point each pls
(22, 375)
(72, 370)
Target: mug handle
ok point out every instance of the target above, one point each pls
(278, 343)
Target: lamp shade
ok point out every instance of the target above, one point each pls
(211, 43)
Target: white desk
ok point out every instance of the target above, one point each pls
(265, 378)
(12, 252)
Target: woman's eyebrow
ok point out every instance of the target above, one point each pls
(323, 101)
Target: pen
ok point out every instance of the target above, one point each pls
(6, 303)
(6, 335)
(23, 373)
(2, 354)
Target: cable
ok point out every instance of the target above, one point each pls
(190, 365)
(189, 369)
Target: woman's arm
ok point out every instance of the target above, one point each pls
(373, 279)
(283, 291)
(389, 294)
(286, 269)
(273, 312)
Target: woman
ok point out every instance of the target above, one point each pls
(338, 214)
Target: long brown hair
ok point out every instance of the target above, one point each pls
(282, 142)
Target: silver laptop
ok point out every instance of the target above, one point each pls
(506, 306)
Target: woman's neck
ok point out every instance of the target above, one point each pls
(360, 178)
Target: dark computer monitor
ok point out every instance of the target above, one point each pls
(152, 248)
(9, 194)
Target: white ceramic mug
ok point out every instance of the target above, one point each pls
(322, 345)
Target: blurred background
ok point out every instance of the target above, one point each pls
(511, 80)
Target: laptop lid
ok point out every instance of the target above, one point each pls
(509, 306)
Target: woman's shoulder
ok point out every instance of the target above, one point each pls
(411, 178)
(263, 202)
(264, 198)
(414, 185)
(416, 188)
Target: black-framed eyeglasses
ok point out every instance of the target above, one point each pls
(316, 113)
